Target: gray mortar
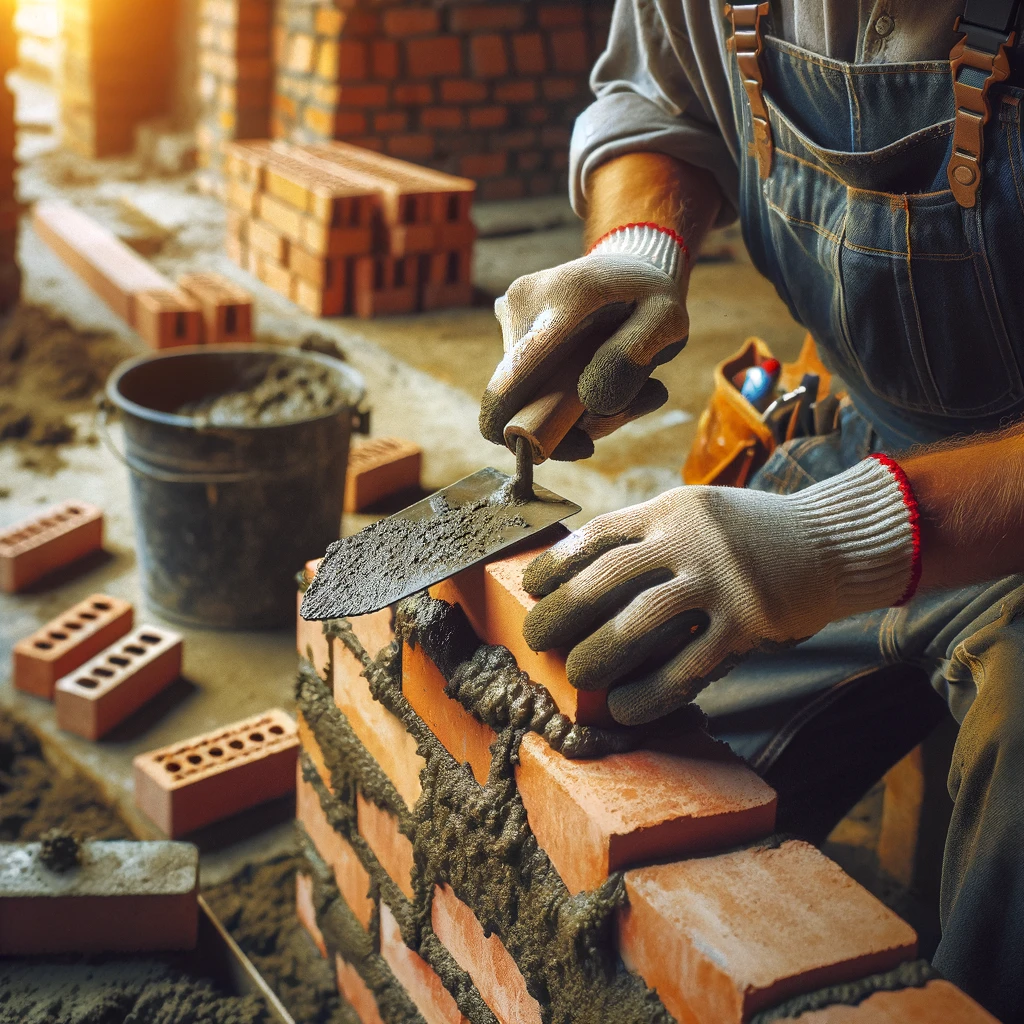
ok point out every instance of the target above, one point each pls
(285, 391)
(59, 850)
(419, 551)
(477, 840)
(915, 974)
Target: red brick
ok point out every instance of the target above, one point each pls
(593, 817)
(487, 56)
(361, 23)
(124, 897)
(558, 15)
(562, 88)
(484, 959)
(720, 938)
(542, 184)
(411, 147)
(356, 992)
(54, 538)
(343, 61)
(441, 117)
(428, 57)
(482, 165)
(528, 53)
(483, 17)
(194, 782)
(411, 21)
(346, 122)
(465, 738)
(938, 1002)
(379, 469)
(226, 307)
(435, 1003)
(414, 94)
(536, 115)
(462, 90)
(364, 95)
(569, 51)
(496, 605)
(394, 851)
(306, 912)
(269, 241)
(487, 117)
(167, 318)
(383, 735)
(103, 692)
(384, 59)
(394, 121)
(515, 91)
(352, 878)
(68, 641)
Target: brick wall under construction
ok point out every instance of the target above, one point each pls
(488, 91)
(483, 845)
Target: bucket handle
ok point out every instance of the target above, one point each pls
(105, 409)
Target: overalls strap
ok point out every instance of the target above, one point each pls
(979, 60)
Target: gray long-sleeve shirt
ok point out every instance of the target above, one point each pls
(662, 85)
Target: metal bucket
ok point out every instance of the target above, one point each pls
(225, 516)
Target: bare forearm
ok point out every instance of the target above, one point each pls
(642, 187)
(971, 502)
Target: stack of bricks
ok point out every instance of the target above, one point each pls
(10, 275)
(487, 91)
(339, 229)
(483, 845)
(235, 77)
(118, 71)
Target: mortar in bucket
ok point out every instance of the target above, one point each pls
(237, 459)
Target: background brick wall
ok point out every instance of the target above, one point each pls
(485, 90)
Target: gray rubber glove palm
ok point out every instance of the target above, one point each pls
(659, 599)
(628, 292)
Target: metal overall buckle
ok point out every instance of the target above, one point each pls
(977, 61)
(746, 41)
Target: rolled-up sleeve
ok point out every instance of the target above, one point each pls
(660, 90)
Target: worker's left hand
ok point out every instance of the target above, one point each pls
(659, 599)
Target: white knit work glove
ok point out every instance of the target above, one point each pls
(660, 599)
(628, 289)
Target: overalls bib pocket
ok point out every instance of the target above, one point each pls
(909, 296)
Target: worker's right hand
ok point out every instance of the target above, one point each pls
(629, 289)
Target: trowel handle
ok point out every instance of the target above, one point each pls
(547, 419)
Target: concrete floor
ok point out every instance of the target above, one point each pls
(424, 375)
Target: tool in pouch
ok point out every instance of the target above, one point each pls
(465, 523)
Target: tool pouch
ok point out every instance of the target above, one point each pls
(732, 442)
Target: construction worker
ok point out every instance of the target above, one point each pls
(828, 127)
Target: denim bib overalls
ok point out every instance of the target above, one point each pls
(917, 303)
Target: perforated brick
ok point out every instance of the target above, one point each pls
(186, 785)
(104, 691)
(60, 535)
(68, 641)
(226, 307)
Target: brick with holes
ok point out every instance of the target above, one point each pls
(167, 318)
(60, 535)
(380, 468)
(384, 285)
(104, 691)
(226, 307)
(68, 641)
(186, 785)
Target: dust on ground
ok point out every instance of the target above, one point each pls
(257, 906)
(49, 369)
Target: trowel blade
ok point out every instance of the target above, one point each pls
(458, 526)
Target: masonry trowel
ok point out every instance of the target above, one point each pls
(469, 521)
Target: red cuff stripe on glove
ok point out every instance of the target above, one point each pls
(674, 235)
(914, 515)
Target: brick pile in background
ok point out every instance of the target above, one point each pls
(340, 229)
(118, 71)
(235, 78)
(489, 91)
(478, 855)
(10, 275)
